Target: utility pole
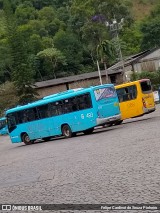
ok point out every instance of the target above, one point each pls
(114, 27)
(99, 72)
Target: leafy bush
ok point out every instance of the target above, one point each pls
(153, 76)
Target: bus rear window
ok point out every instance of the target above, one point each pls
(146, 86)
(104, 93)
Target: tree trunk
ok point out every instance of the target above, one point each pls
(105, 68)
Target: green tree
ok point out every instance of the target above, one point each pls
(151, 31)
(105, 50)
(22, 70)
(153, 76)
(54, 56)
(8, 91)
(131, 38)
(71, 48)
(150, 28)
(24, 13)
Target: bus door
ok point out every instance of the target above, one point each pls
(128, 101)
(48, 124)
(107, 101)
(147, 94)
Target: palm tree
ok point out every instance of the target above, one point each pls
(105, 51)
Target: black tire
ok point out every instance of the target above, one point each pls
(26, 139)
(74, 134)
(46, 138)
(88, 131)
(32, 141)
(66, 131)
(118, 122)
(108, 125)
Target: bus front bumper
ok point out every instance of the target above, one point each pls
(101, 121)
(148, 110)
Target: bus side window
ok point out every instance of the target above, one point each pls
(11, 120)
(20, 117)
(43, 111)
(31, 114)
(87, 101)
(120, 93)
(74, 104)
(126, 97)
(67, 105)
(59, 107)
(127, 93)
(84, 101)
(53, 109)
(134, 92)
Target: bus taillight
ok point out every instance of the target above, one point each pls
(144, 103)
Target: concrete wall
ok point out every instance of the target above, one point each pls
(63, 87)
(151, 65)
(87, 83)
(82, 83)
(50, 90)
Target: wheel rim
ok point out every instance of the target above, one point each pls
(26, 139)
(66, 131)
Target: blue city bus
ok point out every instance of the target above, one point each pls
(65, 113)
(3, 126)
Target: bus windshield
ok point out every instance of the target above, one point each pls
(146, 86)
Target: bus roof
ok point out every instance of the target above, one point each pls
(62, 93)
(57, 97)
(141, 80)
(130, 83)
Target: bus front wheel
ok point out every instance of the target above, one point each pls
(66, 131)
(26, 139)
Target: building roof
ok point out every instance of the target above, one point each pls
(132, 59)
(73, 78)
(116, 68)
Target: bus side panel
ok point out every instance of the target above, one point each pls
(129, 107)
(14, 136)
(80, 120)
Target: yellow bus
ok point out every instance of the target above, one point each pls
(135, 99)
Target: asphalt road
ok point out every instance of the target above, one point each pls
(119, 164)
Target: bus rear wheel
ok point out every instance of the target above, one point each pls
(26, 139)
(118, 122)
(66, 131)
(88, 131)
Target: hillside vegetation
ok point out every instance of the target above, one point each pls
(41, 40)
(142, 8)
